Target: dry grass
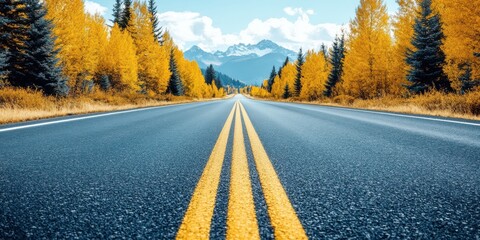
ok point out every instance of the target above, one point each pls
(17, 105)
(432, 104)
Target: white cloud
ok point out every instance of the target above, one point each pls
(190, 28)
(297, 11)
(94, 8)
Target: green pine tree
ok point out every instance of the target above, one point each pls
(210, 75)
(336, 58)
(4, 36)
(467, 81)
(271, 79)
(13, 33)
(218, 82)
(3, 67)
(126, 14)
(428, 58)
(287, 61)
(157, 29)
(41, 64)
(175, 85)
(298, 78)
(117, 12)
(324, 50)
(105, 83)
(286, 92)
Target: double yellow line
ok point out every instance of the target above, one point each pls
(241, 216)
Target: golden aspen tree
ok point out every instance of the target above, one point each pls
(215, 92)
(153, 64)
(168, 43)
(403, 31)
(190, 74)
(69, 19)
(461, 27)
(195, 81)
(259, 92)
(120, 61)
(367, 73)
(314, 75)
(265, 83)
(276, 92)
(289, 73)
(96, 43)
(207, 91)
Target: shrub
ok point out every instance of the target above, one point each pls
(344, 99)
(24, 98)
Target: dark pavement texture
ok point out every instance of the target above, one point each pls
(348, 174)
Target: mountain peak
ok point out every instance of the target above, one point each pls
(195, 48)
(260, 49)
(267, 44)
(250, 63)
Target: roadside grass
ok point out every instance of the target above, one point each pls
(17, 105)
(433, 104)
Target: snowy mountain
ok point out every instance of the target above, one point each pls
(250, 63)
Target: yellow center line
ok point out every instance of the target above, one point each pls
(197, 220)
(283, 218)
(241, 216)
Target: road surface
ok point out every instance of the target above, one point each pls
(238, 169)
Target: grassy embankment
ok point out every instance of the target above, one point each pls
(17, 105)
(432, 104)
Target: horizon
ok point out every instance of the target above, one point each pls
(238, 44)
(290, 24)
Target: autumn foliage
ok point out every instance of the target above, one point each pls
(434, 43)
(131, 56)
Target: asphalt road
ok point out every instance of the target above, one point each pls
(347, 173)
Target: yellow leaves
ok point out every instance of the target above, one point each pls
(289, 73)
(153, 59)
(131, 58)
(69, 20)
(461, 26)
(367, 60)
(120, 61)
(259, 92)
(314, 76)
(96, 41)
(403, 31)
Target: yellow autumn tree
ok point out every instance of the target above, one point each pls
(367, 62)
(259, 92)
(190, 74)
(314, 75)
(120, 61)
(96, 43)
(403, 31)
(289, 72)
(153, 64)
(461, 27)
(69, 20)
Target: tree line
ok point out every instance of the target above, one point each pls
(56, 47)
(429, 45)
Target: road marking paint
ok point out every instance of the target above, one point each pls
(197, 220)
(283, 218)
(416, 117)
(241, 216)
(391, 114)
(83, 118)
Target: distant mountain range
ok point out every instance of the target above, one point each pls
(250, 63)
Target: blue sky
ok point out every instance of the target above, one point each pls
(216, 24)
